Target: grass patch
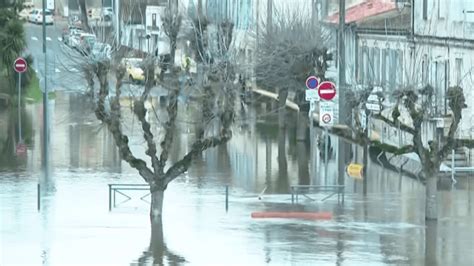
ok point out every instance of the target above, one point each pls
(33, 90)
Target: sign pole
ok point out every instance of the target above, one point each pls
(326, 151)
(19, 108)
(45, 101)
(311, 142)
(366, 154)
(311, 95)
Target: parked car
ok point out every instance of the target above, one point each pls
(74, 39)
(101, 51)
(69, 33)
(25, 12)
(84, 42)
(134, 71)
(36, 16)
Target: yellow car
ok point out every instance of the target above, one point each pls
(134, 72)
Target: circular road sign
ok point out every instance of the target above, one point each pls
(327, 90)
(326, 118)
(20, 65)
(312, 83)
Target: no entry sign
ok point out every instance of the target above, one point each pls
(20, 65)
(327, 90)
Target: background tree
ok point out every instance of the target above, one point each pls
(289, 51)
(84, 18)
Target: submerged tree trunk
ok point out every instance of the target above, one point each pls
(431, 200)
(156, 208)
(302, 126)
(282, 96)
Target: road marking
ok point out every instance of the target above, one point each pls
(48, 39)
(60, 39)
(34, 38)
(74, 69)
(57, 70)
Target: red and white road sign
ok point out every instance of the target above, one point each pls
(327, 118)
(327, 90)
(20, 65)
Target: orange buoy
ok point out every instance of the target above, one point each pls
(294, 215)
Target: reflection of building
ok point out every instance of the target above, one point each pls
(78, 139)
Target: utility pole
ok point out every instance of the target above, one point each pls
(117, 21)
(344, 115)
(45, 102)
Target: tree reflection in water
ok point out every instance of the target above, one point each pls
(158, 253)
(9, 136)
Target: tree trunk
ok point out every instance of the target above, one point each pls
(156, 208)
(282, 96)
(302, 126)
(431, 200)
(84, 18)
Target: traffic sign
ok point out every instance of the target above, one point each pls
(327, 90)
(20, 65)
(326, 114)
(311, 95)
(355, 170)
(312, 83)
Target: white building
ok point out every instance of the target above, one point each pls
(444, 37)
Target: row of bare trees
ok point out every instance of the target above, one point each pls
(288, 52)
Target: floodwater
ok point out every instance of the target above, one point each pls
(75, 226)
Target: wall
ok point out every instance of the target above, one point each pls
(445, 18)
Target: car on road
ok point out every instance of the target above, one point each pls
(69, 33)
(36, 16)
(101, 51)
(134, 70)
(82, 41)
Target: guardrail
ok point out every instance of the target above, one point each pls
(305, 189)
(119, 188)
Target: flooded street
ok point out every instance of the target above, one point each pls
(75, 226)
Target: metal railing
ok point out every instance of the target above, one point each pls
(306, 189)
(120, 188)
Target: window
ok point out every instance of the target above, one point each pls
(153, 20)
(400, 68)
(425, 9)
(384, 67)
(424, 70)
(370, 66)
(442, 9)
(393, 69)
(377, 65)
(458, 71)
(365, 59)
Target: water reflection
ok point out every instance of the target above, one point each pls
(9, 137)
(385, 227)
(158, 253)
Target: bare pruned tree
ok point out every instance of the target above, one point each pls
(158, 171)
(431, 153)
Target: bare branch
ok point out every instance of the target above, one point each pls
(394, 124)
(170, 129)
(112, 120)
